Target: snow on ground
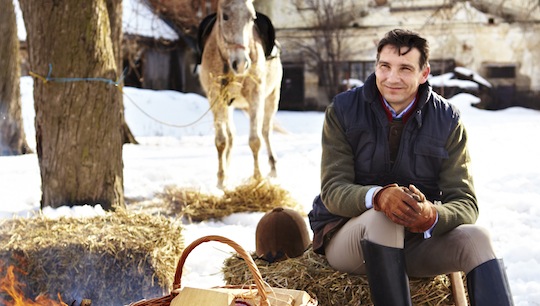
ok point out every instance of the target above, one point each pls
(504, 146)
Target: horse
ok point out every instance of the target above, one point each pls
(240, 68)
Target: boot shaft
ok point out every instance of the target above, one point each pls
(387, 276)
(488, 285)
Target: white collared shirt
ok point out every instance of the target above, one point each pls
(402, 113)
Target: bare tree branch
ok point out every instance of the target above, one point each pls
(330, 21)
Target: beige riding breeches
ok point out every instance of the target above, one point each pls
(461, 249)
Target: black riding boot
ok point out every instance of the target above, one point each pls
(388, 281)
(488, 285)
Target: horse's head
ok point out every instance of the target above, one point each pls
(236, 21)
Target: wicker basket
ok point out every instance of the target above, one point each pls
(259, 294)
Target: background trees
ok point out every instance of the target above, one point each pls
(78, 124)
(12, 136)
(324, 47)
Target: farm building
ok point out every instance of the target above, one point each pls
(324, 50)
(495, 38)
(156, 54)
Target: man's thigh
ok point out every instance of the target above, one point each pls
(461, 249)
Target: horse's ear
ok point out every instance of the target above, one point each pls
(205, 27)
(266, 31)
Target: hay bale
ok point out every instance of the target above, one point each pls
(112, 260)
(254, 196)
(312, 273)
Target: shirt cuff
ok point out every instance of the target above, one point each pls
(427, 234)
(369, 197)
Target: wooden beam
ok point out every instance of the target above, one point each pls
(458, 289)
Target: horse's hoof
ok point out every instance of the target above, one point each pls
(220, 185)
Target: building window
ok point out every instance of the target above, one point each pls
(359, 70)
(500, 71)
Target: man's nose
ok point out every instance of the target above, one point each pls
(393, 75)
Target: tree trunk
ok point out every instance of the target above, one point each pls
(114, 7)
(78, 124)
(12, 136)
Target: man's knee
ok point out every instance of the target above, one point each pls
(475, 244)
(344, 250)
(381, 230)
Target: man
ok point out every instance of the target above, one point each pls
(397, 197)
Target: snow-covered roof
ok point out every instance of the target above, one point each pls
(457, 12)
(475, 76)
(352, 82)
(137, 19)
(446, 80)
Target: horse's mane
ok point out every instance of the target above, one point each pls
(263, 24)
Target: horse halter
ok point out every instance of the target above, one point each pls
(230, 46)
(225, 60)
(234, 45)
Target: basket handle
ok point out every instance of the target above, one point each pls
(243, 253)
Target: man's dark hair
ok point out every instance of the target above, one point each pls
(400, 38)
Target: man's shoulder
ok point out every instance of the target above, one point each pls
(350, 97)
(359, 95)
(347, 94)
(348, 102)
(442, 105)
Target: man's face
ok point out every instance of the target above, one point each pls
(398, 76)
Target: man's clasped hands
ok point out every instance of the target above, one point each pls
(406, 206)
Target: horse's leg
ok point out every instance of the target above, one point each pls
(223, 140)
(270, 110)
(256, 113)
(229, 128)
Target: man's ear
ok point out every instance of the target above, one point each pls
(425, 74)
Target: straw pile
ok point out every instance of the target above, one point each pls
(312, 273)
(254, 196)
(112, 260)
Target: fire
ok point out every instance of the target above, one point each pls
(12, 287)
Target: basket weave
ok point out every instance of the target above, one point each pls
(260, 285)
